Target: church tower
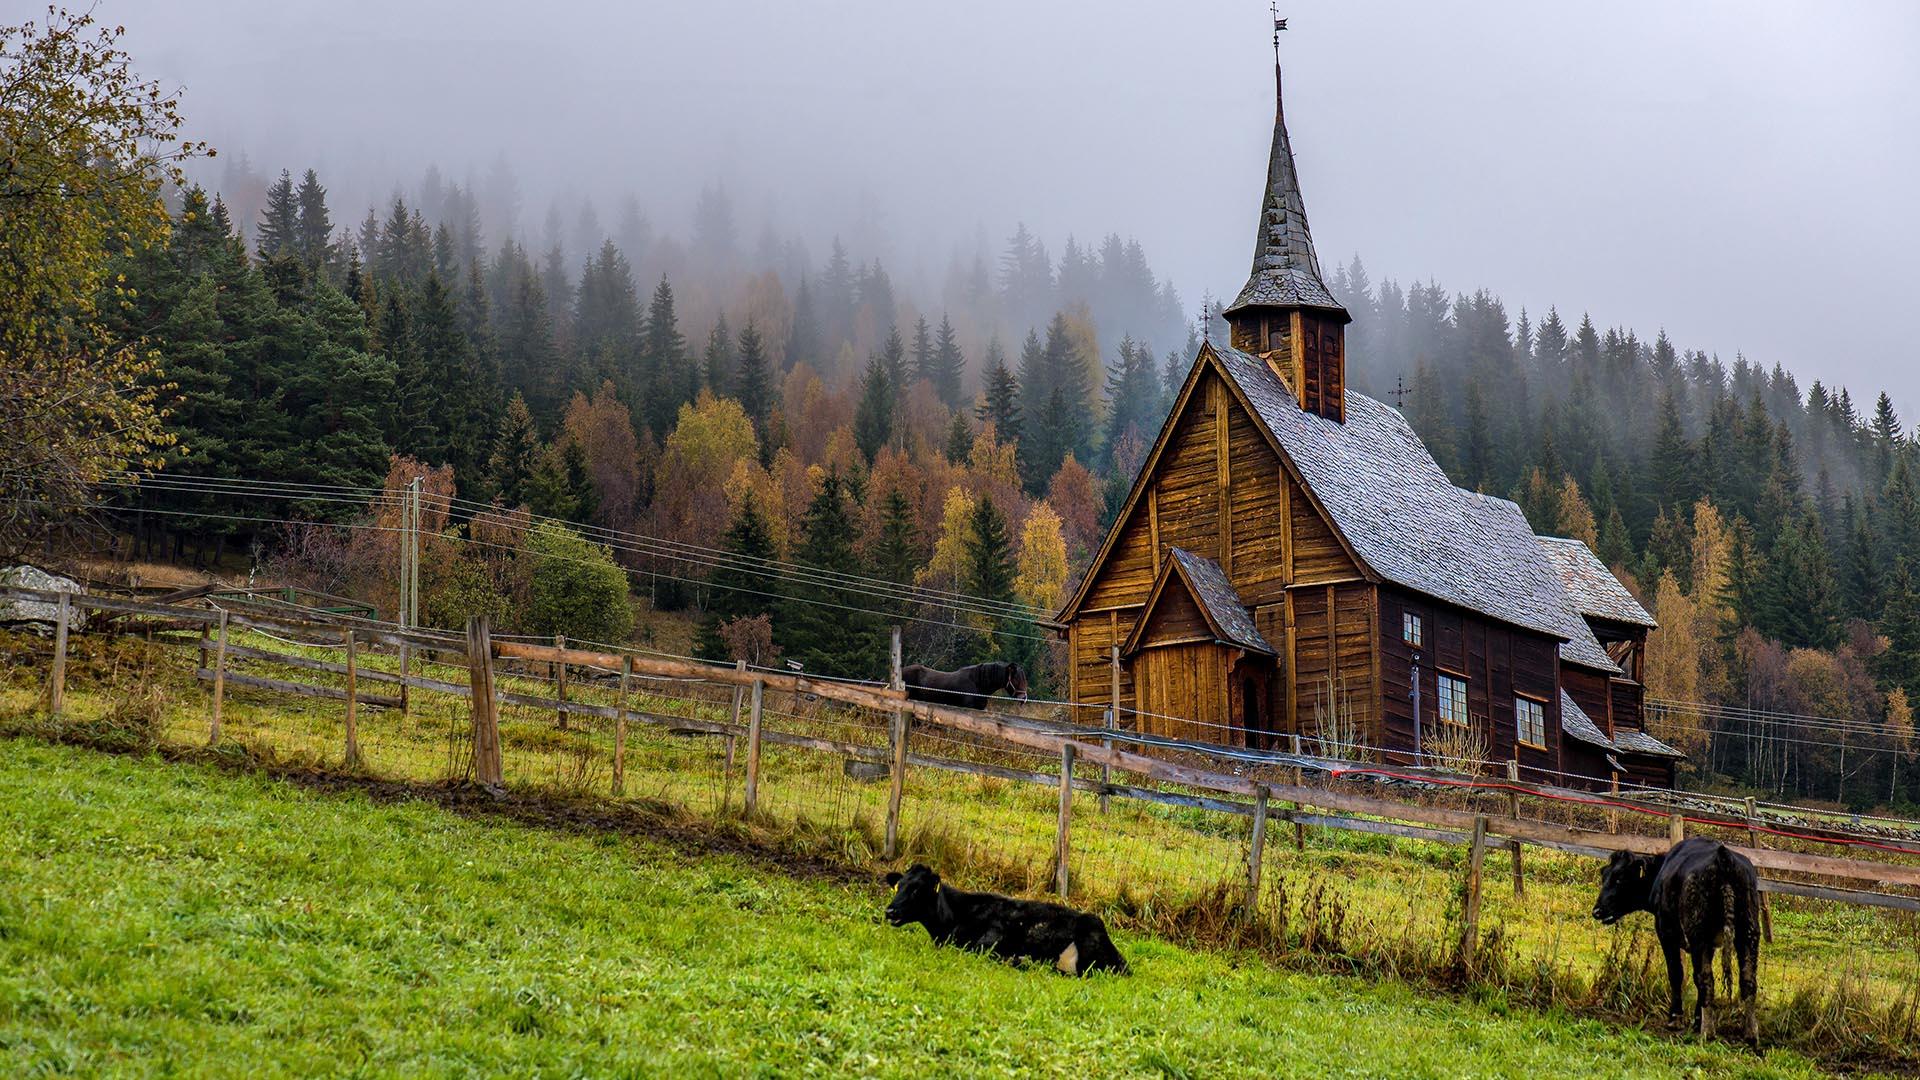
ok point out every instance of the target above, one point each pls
(1285, 314)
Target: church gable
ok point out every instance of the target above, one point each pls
(1215, 486)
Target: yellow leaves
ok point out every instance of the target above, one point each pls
(1900, 720)
(1040, 574)
(710, 435)
(1673, 658)
(950, 551)
(1576, 516)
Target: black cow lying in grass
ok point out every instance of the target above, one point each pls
(968, 688)
(1700, 893)
(1074, 942)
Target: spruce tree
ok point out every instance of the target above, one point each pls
(893, 360)
(803, 337)
(873, 415)
(1000, 402)
(279, 228)
(959, 438)
(670, 378)
(821, 625)
(755, 389)
(718, 361)
(949, 366)
(313, 235)
(922, 350)
(516, 453)
(1798, 606)
(896, 555)
(742, 587)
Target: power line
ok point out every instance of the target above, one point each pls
(632, 542)
(851, 608)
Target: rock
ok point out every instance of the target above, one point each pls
(32, 577)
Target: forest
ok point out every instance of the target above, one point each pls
(971, 449)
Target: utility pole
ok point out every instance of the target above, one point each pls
(408, 615)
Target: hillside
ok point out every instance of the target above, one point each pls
(166, 916)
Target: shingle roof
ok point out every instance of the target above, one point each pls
(1635, 741)
(1575, 722)
(1219, 601)
(1286, 272)
(1591, 587)
(1404, 518)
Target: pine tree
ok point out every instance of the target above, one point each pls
(922, 350)
(1899, 665)
(959, 438)
(893, 360)
(516, 453)
(1000, 401)
(718, 360)
(949, 365)
(755, 389)
(1798, 606)
(822, 627)
(670, 378)
(743, 586)
(313, 233)
(803, 338)
(896, 555)
(279, 228)
(873, 415)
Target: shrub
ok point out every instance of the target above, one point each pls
(577, 588)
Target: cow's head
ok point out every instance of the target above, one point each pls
(1016, 685)
(916, 895)
(1625, 886)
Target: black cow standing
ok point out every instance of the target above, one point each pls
(969, 687)
(1699, 892)
(1074, 942)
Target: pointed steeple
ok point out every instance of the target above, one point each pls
(1286, 273)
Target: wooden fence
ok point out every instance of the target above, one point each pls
(1844, 879)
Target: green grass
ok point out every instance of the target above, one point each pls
(161, 917)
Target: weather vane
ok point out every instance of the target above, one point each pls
(1279, 24)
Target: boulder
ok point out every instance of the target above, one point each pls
(32, 577)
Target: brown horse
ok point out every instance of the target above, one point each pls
(967, 688)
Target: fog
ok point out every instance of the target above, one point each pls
(1739, 173)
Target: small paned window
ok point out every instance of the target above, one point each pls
(1411, 630)
(1530, 722)
(1453, 700)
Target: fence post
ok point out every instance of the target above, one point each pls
(1513, 809)
(897, 791)
(57, 682)
(1299, 830)
(560, 682)
(897, 780)
(1066, 818)
(1470, 907)
(752, 800)
(486, 718)
(1676, 826)
(219, 681)
(1257, 847)
(620, 731)
(406, 670)
(353, 706)
(1753, 841)
(1113, 720)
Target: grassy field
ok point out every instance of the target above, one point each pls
(169, 918)
(1837, 981)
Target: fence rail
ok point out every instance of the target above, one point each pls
(1849, 880)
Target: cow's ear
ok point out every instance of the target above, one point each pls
(893, 877)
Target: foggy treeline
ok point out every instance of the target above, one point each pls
(751, 396)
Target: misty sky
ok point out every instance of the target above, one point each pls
(1740, 173)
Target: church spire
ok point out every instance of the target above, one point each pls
(1286, 272)
(1286, 314)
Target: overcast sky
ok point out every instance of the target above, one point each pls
(1743, 174)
